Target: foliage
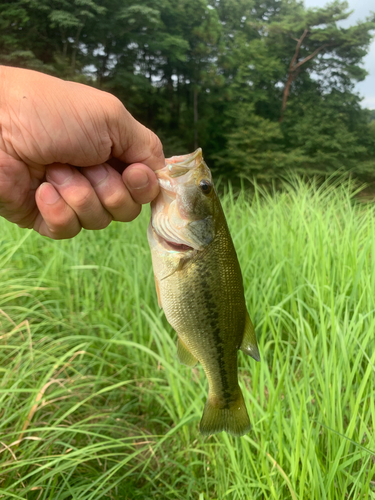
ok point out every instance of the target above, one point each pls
(195, 70)
(255, 147)
(95, 405)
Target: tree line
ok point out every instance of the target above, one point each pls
(263, 86)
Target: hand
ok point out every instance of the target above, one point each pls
(48, 128)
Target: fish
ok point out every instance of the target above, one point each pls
(200, 288)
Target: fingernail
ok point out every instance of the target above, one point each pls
(96, 174)
(60, 174)
(137, 179)
(48, 194)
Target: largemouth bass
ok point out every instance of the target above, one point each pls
(199, 285)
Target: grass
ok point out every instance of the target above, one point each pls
(95, 405)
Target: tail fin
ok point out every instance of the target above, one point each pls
(232, 419)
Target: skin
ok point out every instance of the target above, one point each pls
(48, 129)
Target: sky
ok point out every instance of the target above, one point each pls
(362, 9)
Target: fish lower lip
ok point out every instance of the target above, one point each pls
(171, 245)
(179, 247)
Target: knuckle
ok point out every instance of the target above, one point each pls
(82, 200)
(63, 225)
(121, 206)
(115, 105)
(62, 232)
(156, 147)
(57, 230)
(130, 214)
(115, 201)
(101, 223)
(114, 101)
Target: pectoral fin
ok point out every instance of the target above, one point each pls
(158, 291)
(249, 343)
(184, 355)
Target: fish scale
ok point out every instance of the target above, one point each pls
(200, 287)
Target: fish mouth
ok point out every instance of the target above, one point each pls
(190, 160)
(177, 166)
(177, 247)
(171, 245)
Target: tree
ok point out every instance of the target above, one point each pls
(321, 46)
(261, 85)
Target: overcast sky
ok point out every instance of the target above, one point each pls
(361, 10)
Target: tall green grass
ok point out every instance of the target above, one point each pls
(95, 405)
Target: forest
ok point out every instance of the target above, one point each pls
(263, 86)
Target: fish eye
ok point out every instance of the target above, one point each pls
(205, 186)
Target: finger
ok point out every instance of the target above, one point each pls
(17, 191)
(112, 192)
(78, 193)
(141, 183)
(132, 141)
(56, 219)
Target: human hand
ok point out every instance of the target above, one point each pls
(48, 128)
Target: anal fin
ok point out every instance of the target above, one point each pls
(184, 355)
(249, 343)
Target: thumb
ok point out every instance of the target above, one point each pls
(132, 142)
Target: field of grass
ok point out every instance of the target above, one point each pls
(95, 405)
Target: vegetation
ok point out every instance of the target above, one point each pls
(95, 405)
(261, 86)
